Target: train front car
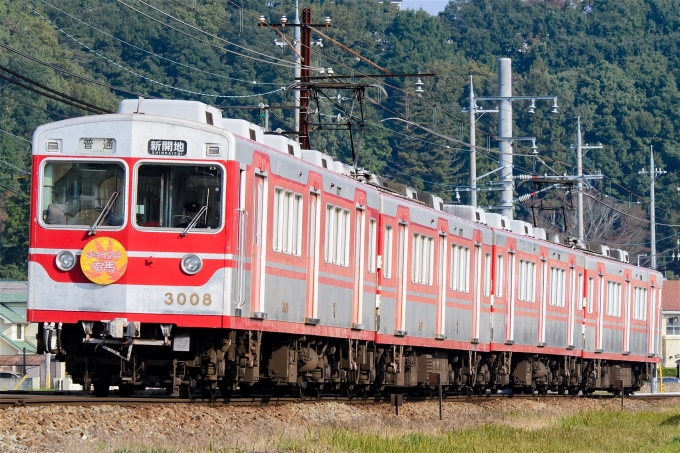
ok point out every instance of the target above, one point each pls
(132, 229)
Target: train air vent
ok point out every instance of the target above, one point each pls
(539, 233)
(212, 150)
(208, 118)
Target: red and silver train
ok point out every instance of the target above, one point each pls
(171, 247)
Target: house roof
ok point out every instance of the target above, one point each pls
(19, 345)
(10, 315)
(13, 291)
(670, 295)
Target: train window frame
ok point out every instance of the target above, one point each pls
(459, 272)
(487, 274)
(388, 252)
(422, 259)
(558, 278)
(526, 292)
(41, 185)
(372, 242)
(337, 235)
(287, 222)
(174, 230)
(500, 258)
(614, 298)
(640, 303)
(590, 292)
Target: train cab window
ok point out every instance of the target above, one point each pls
(76, 193)
(176, 196)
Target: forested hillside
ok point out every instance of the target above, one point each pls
(615, 64)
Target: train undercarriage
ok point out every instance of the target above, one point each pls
(133, 356)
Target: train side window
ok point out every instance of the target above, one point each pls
(387, 252)
(579, 292)
(460, 268)
(590, 294)
(487, 275)
(175, 196)
(640, 304)
(423, 255)
(75, 193)
(336, 248)
(499, 276)
(614, 299)
(557, 276)
(371, 245)
(287, 224)
(527, 281)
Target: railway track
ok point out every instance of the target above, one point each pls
(24, 399)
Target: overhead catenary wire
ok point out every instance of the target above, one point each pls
(51, 90)
(73, 74)
(28, 87)
(27, 104)
(141, 75)
(252, 82)
(15, 136)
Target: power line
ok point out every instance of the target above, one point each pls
(193, 27)
(27, 87)
(290, 65)
(65, 71)
(15, 136)
(253, 82)
(140, 75)
(2, 93)
(46, 88)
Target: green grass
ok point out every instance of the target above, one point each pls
(602, 431)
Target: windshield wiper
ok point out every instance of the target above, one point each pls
(103, 214)
(194, 221)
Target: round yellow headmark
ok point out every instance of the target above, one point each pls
(103, 260)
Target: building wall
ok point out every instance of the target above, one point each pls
(670, 343)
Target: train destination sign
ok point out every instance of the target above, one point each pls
(168, 147)
(89, 145)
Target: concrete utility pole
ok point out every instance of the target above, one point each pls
(579, 184)
(504, 99)
(653, 174)
(505, 130)
(473, 151)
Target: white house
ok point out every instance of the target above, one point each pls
(15, 331)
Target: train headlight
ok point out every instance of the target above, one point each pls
(65, 260)
(191, 264)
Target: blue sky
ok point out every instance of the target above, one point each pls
(431, 6)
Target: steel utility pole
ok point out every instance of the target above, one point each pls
(298, 65)
(653, 174)
(579, 172)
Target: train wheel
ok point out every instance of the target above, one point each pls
(101, 389)
(126, 391)
(245, 389)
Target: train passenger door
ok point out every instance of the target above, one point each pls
(652, 337)
(358, 293)
(542, 295)
(400, 306)
(600, 314)
(312, 290)
(476, 289)
(440, 326)
(573, 297)
(627, 302)
(259, 246)
(510, 318)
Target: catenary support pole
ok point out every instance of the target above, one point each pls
(579, 185)
(505, 130)
(473, 152)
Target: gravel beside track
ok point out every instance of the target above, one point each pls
(199, 427)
